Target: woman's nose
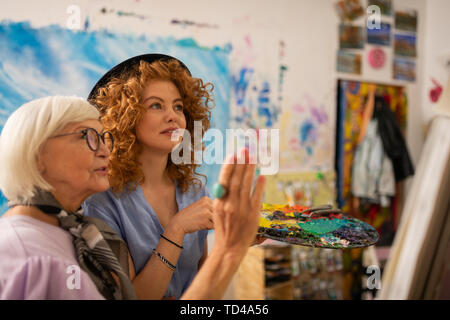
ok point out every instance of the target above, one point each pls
(103, 150)
(170, 115)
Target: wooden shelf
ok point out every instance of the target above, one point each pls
(251, 276)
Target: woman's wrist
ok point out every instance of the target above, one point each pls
(174, 231)
(229, 257)
(215, 275)
(172, 242)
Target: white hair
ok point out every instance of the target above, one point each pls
(24, 135)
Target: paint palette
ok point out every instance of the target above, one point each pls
(321, 227)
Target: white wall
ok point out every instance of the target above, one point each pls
(437, 51)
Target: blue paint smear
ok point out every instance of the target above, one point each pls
(264, 104)
(38, 62)
(240, 84)
(306, 132)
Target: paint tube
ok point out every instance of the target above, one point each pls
(289, 192)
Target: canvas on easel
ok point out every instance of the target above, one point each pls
(416, 257)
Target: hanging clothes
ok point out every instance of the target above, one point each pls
(392, 138)
(372, 173)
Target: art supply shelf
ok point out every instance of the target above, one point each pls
(278, 271)
(265, 273)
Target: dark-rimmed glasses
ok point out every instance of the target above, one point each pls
(92, 138)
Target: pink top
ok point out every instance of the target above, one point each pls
(37, 261)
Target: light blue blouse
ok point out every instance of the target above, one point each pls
(133, 218)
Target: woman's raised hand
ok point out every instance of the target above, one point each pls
(236, 215)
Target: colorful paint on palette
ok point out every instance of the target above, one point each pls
(298, 225)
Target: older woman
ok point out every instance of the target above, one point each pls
(54, 154)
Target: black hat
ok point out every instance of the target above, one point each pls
(127, 64)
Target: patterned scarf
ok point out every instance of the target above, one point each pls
(92, 250)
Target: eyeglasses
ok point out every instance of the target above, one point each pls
(92, 138)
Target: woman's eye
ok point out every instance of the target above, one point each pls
(179, 107)
(155, 106)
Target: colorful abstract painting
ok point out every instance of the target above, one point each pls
(322, 227)
(38, 62)
(256, 84)
(255, 99)
(306, 136)
(351, 105)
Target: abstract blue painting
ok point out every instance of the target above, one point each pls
(38, 62)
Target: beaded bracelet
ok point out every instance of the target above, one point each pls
(163, 259)
(175, 244)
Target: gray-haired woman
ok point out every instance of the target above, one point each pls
(54, 154)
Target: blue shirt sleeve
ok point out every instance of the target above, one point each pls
(92, 210)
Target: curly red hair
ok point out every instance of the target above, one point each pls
(120, 105)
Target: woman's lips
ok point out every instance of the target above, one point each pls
(102, 170)
(169, 130)
(174, 133)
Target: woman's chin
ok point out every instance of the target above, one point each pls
(101, 186)
(165, 147)
(168, 148)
